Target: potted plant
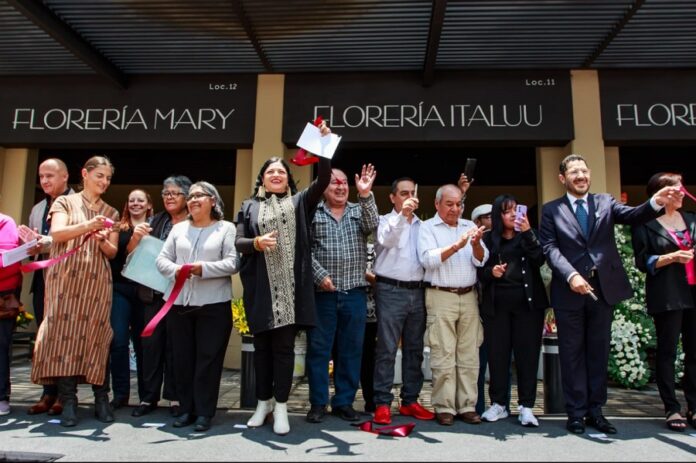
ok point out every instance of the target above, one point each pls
(247, 392)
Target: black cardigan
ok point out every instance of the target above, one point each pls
(253, 272)
(667, 289)
(531, 262)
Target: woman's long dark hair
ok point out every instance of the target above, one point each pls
(264, 167)
(500, 205)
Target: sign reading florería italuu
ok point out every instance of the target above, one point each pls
(78, 110)
(533, 107)
(648, 105)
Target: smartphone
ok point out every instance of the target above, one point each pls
(469, 168)
(520, 211)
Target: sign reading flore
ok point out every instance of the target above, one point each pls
(533, 107)
(77, 110)
(648, 105)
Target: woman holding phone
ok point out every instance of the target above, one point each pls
(72, 345)
(514, 300)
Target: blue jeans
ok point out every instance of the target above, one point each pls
(127, 322)
(340, 315)
(400, 316)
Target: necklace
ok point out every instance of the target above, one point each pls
(672, 221)
(92, 206)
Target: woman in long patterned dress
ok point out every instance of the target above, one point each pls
(72, 345)
(273, 229)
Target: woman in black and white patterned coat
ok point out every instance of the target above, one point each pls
(273, 238)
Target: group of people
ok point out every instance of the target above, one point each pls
(445, 282)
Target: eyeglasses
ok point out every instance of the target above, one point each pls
(193, 196)
(171, 194)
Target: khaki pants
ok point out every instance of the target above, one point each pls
(454, 333)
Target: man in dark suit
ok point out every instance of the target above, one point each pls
(577, 234)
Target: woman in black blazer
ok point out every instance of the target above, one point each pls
(664, 250)
(512, 308)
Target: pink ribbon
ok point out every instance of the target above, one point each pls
(178, 286)
(683, 190)
(396, 430)
(42, 264)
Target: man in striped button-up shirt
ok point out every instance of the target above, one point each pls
(339, 254)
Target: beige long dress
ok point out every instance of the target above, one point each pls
(75, 335)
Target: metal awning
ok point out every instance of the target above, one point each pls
(120, 38)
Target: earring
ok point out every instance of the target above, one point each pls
(261, 193)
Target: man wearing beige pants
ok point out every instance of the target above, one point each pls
(450, 249)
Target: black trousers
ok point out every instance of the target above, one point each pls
(200, 335)
(583, 347)
(367, 367)
(274, 362)
(668, 326)
(158, 359)
(514, 328)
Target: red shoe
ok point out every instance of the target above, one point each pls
(417, 411)
(382, 415)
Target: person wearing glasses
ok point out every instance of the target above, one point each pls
(273, 237)
(664, 250)
(158, 360)
(201, 319)
(127, 310)
(577, 235)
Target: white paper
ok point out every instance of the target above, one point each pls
(152, 425)
(141, 267)
(312, 141)
(599, 436)
(11, 256)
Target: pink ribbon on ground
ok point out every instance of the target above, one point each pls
(396, 430)
(42, 264)
(178, 286)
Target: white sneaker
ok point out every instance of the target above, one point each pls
(263, 409)
(527, 417)
(494, 413)
(4, 407)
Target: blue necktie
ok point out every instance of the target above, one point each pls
(581, 215)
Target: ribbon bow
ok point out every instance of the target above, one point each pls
(302, 157)
(395, 430)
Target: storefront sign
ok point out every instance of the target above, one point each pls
(528, 107)
(648, 105)
(195, 110)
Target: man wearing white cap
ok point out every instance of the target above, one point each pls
(481, 216)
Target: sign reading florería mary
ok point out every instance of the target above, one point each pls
(153, 110)
(533, 107)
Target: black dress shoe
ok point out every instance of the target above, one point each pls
(202, 424)
(316, 414)
(346, 412)
(185, 419)
(119, 403)
(601, 424)
(575, 425)
(143, 409)
(175, 410)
